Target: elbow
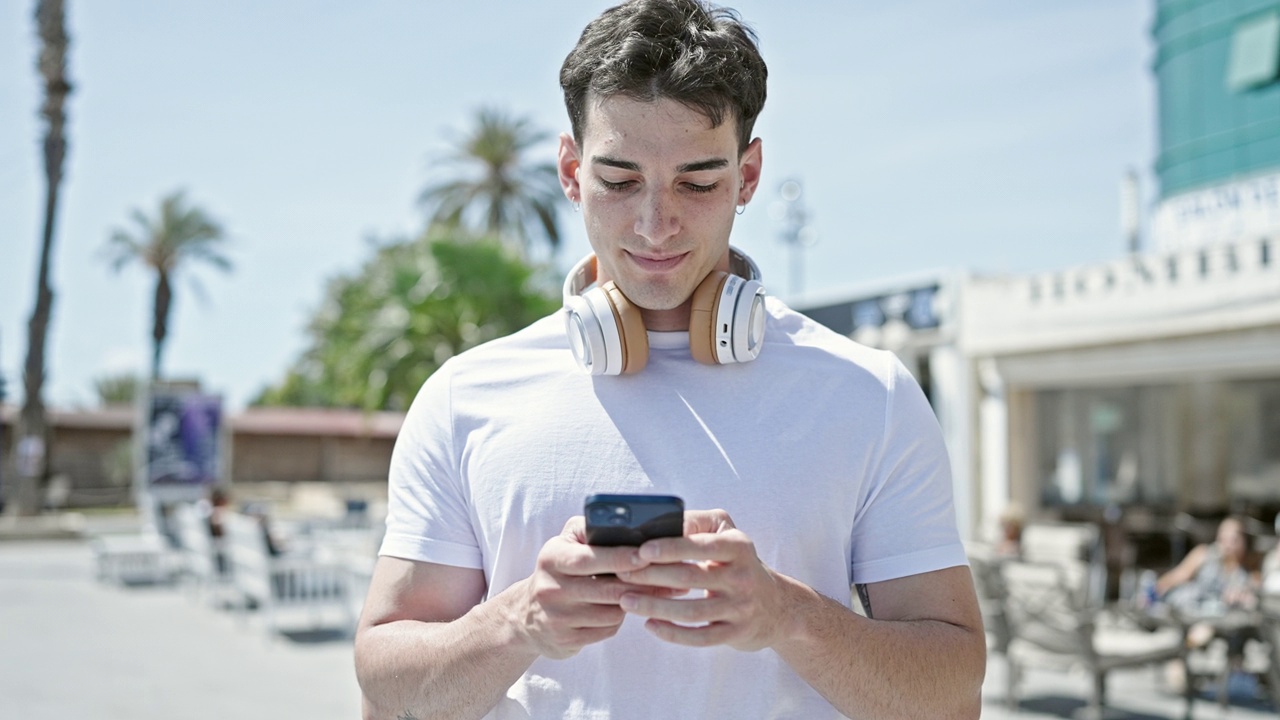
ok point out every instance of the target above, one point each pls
(972, 669)
(371, 710)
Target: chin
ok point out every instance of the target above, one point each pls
(655, 296)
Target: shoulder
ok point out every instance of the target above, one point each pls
(540, 344)
(1200, 554)
(800, 339)
(495, 367)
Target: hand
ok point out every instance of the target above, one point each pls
(1240, 597)
(744, 607)
(570, 600)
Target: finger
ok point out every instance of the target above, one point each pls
(608, 590)
(597, 616)
(674, 576)
(575, 529)
(716, 633)
(687, 612)
(706, 521)
(725, 546)
(568, 557)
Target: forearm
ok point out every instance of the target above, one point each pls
(418, 670)
(884, 669)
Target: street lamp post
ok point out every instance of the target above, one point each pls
(796, 231)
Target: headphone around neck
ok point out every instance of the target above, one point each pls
(608, 336)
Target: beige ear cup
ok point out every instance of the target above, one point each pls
(633, 336)
(607, 335)
(702, 317)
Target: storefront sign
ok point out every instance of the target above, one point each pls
(1233, 211)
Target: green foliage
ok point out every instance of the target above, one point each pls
(117, 389)
(383, 331)
(498, 191)
(117, 464)
(179, 235)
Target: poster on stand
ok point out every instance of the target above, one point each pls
(183, 442)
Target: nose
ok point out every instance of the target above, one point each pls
(658, 219)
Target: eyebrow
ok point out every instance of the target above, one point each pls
(712, 164)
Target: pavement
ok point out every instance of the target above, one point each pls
(72, 647)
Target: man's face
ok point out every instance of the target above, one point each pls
(658, 187)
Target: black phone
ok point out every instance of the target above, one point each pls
(632, 519)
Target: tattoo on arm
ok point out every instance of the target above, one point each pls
(865, 597)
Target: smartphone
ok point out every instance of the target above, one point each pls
(632, 519)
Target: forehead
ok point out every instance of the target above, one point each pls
(658, 132)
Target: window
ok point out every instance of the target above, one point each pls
(1098, 446)
(1255, 53)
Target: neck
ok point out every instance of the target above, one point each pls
(675, 319)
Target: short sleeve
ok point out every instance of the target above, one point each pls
(428, 515)
(905, 522)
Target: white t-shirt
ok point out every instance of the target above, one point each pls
(823, 451)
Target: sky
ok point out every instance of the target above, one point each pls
(929, 135)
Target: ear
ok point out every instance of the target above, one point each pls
(749, 170)
(567, 165)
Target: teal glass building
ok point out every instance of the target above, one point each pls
(1217, 69)
(1217, 72)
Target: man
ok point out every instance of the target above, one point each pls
(823, 457)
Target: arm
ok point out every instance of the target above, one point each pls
(427, 647)
(922, 654)
(1183, 572)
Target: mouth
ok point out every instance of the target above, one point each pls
(657, 263)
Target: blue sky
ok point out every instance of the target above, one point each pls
(929, 134)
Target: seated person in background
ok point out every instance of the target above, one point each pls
(1221, 575)
(1214, 578)
(1011, 521)
(260, 512)
(215, 510)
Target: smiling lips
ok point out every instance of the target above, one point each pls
(657, 264)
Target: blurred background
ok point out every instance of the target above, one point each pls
(274, 220)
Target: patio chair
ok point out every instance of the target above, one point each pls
(985, 567)
(144, 558)
(317, 588)
(1055, 623)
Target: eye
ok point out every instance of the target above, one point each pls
(616, 185)
(693, 187)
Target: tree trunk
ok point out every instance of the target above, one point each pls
(160, 328)
(50, 23)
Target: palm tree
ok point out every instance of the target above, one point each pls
(50, 19)
(177, 234)
(510, 198)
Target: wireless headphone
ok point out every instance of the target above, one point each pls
(608, 336)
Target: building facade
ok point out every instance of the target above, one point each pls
(91, 452)
(1142, 392)
(1217, 68)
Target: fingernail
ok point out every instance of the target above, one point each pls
(625, 575)
(635, 558)
(648, 552)
(628, 602)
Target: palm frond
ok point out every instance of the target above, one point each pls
(499, 192)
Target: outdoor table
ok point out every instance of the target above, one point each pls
(1228, 624)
